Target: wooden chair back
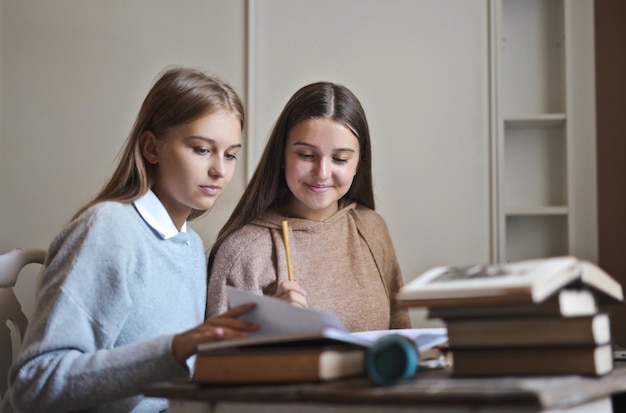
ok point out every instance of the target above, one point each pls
(13, 321)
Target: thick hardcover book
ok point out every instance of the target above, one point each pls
(521, 282)
(279, 364)
(591, 361)
(565, 303)
(297, 344)
(315, 356)
(542, 332)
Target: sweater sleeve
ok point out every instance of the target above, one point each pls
(399, 316)
(393, 280)
(246, 260)
(375, 231)
(70, 359)
(220, 269)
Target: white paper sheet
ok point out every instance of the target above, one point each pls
(275, 316)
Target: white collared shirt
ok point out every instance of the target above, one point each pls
(154, 213)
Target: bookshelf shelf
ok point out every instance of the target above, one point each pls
(540, 211)
(548, 119)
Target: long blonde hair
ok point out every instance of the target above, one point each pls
(179, 95)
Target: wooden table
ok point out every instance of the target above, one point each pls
(429, 392)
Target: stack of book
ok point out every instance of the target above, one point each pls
(532, 317)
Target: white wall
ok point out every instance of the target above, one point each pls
(73, 74)
(420, 70)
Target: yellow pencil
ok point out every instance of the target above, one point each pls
(286, 240)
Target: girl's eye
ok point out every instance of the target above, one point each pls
(303, 155)
(201, 151)
(340, 160)
(230, 156)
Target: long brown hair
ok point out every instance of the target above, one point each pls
(268, 187)
(179, 95)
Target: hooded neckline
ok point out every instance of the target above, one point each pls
(273, 219)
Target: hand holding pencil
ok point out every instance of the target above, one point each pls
(290, 290)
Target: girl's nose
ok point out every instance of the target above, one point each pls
(217, 168)
(322, 169)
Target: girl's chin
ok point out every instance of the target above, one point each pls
(203, 206)
(325, 210)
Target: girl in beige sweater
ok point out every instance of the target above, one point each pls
(315, 173)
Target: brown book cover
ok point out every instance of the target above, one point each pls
(565, 303)
(529, 332)
(591, 361)
(279, 364)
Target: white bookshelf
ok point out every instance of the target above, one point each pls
(533, 162)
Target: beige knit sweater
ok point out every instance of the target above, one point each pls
(346, 264)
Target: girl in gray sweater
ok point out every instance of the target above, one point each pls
(121, 299)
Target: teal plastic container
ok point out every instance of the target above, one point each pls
(391, 359)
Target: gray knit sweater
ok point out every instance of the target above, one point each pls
(112, 295)
(346, 264)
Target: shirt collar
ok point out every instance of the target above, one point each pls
(154, 213)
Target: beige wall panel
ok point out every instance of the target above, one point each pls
(74, 74)
(419, 68)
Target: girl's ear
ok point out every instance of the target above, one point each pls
(149, 147)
